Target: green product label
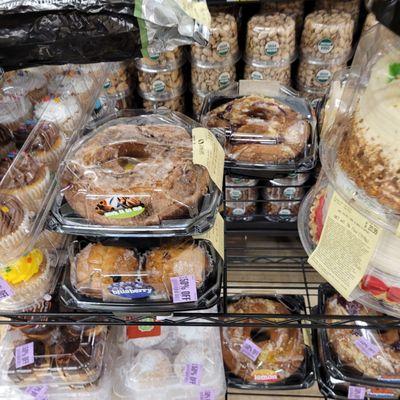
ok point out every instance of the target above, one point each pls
(224, 79)
(323, 76)
(158, 86)
(257, 76)
(325, 46)
(271, 48)
(223, 48)
(125, 213)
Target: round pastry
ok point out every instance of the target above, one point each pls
(34, 84)
(196, 353)
(175, 259)
(48, 145)
(15, 109)
(14, 224)
(254, 119)
(148, 167)
(64, 112)
(151, 368)
(282, 349)
(7, 144)
(385, 363)
(97, 266)
(28, 182)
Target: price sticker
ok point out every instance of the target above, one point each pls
(37, 392)
(24, 355)
(366, 347)
(193, 374)
(184, 289)
(207, 394)
(5, 290)
(356, 392)
(250, 350)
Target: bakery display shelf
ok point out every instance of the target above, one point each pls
(255, 264)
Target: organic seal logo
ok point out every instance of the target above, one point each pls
(325, 46)
(223, 48)
(323, 76)
(224, 79)
(271, 48)
(158, 86)
(130, 290)
(257, 76)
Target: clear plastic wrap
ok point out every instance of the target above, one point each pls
(362, 355)
(64, 356)
(136, 276)
(223, 44)
(378, 288)
(265, 133)
(212, 78)
(26, 188)
(327, 36)
(279, 72)
(360, 150)
(270, 39)
(314, 96)
(170, 362)
(266, 358)
(129, 177)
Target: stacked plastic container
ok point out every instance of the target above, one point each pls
(213, 67)
(270, 47)
(326, 46)
(161, 80)
(358, 152)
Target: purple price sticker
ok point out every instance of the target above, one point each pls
(5, 290)
(24, 355)
(356, 392)
(250, 350)
(207, 394)
(366, 347)
(37, 392)
(193, 374)
(183, 289)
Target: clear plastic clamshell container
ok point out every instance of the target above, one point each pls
(345, 356)
(266, 358)
(379, 288)
(265, 134)
(170, 362)
(27, 177)
(53, 390)
(139, 275)
(134, 175)
(359, 150)
(65, 356)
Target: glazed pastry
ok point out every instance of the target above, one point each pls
(14, 224)
(148, 167)
(151, 368)
(48, 145)
(34, 84)
(65, 113)
(385, 363)
(98, 266)
(254, 119)
(7, 144)
(28, 181)
(176, 259)
(282, 349)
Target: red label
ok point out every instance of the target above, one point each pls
(140, 331)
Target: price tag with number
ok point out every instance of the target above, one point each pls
(193, 374)
(5, 290)
(37, 392)
(24, 355)
(207, 394)
(184, 289)
(356, 392)
(250, 350)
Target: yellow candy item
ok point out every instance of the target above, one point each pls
(24, 268)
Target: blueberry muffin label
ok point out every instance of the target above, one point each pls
(223, 48)
(325, 46)
(130, 290)
(224, 79)
(271, 48)
(120, 207)
(323, 76)
(158, 86)
(257, 76)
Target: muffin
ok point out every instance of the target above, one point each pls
(7, 143)
(34, 84)
(15, 109)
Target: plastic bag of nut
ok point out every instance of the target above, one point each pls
(241, 195)
(349, 6)
(274, 72)
(327, 36)
(119, 79)
(317, 75)
(167, 60)
(293, 8)
(163, 84)
(175, 104)
(223, 41)
(213, 78)
(270, 38)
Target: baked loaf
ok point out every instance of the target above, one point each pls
(264, 130)
(282, 349)
(135, 175)
(386, 363)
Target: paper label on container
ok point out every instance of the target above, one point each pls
(24, 355)
(366, 347)
(398, 231)
(347, 244)
(306, 335)
(265, 375)
(198, 10)
(184, 289)
(356, 392)
(209, 153)
(193, 374)
(141, 331)
(250, 350)
(37, 392)
(263, 88)
(5, 290)
(207, 394)
(216, 235)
